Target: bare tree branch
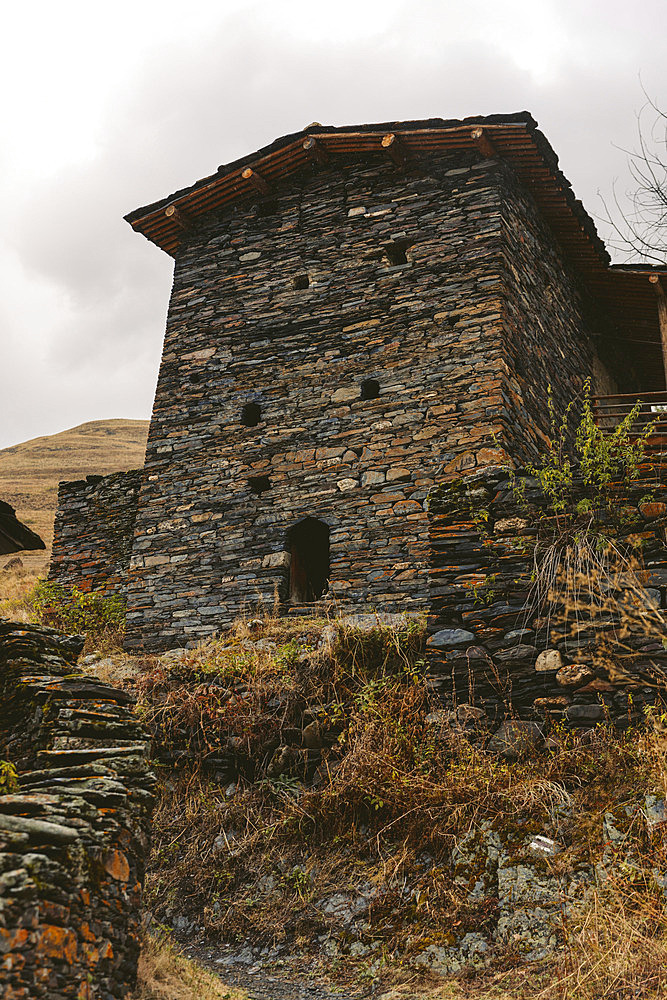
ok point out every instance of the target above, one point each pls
(638, 222)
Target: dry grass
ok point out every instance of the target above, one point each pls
(384, 789)
(30, 471)
(165, 974)
(617, 950)
(388, 788)
(15, 585)
(115, 667)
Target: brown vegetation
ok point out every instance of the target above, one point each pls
(380, 787)
(16, 583)
(165, 974)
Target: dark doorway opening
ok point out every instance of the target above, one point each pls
(308, 543)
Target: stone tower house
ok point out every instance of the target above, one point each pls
(356, 314)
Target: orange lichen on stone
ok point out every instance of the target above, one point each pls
(460, 463)
(12, 994)
(13, 962)
(10, 940)
(493, 456)
(653, 509)
(85, 931)
(71, 912)
(106, 951)
(117, 865)
(56, 942)
(90, 955)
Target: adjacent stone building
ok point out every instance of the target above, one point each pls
(356, 314)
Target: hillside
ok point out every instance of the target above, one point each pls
(30, 471)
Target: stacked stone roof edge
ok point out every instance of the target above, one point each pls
(543, 145)
(519, 118)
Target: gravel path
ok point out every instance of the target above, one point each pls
(264, 984)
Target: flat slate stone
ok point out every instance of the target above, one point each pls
(450, 638)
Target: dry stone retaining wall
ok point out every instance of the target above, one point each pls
(74, 837)
(492, 647)
(93, 532)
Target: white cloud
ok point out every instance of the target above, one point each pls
(114, 107)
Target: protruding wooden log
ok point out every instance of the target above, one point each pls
(662, 316)
(256, 180)
(483, 143)
(315, 150)
(392, 144)
(177, 215)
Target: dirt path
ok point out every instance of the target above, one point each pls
(262, 986)
(261, 983)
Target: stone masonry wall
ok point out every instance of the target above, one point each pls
(291, 305)
(93, 532)
(493, 647)
(74, 838)
(548, 346)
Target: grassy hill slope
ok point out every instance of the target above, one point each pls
(30, 471)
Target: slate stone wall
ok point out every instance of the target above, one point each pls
(74, 837)
(546, 319)
(491, 643)
(93, 532)
(291, 305)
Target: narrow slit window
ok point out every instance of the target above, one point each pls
(308, 544)
(395, 253)
(259, 484)
(301, 281)
(251, 414)
(370, 388)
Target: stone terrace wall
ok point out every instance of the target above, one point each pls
(74, 838)
(486, 648)
(93, 532)
(240, 330)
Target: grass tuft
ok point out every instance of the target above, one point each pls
(255, 827)
(165, 974)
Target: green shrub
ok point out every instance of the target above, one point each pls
(8, 778)
(600, 459)
(75, 610)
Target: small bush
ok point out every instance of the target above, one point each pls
(73, 610)
(9, 783)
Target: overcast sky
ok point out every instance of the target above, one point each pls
(107, 107)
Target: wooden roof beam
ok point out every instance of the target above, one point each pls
(395, 148)
(256, 181)
(315, 150)
(662, 316)
(179, 216)
(483, 143)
